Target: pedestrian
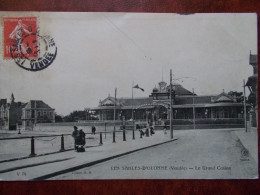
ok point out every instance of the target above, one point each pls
(82, 137)
(74, 135)
(151, 130)
(141, 132)
(93, 130)
(147, 131)
(80, 141)
(165, 128)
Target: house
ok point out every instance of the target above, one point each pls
(10, 113)
(36, 111)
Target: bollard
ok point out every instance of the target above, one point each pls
(141, 135)
(62, 143)
(101, 142)
(133, 133)
(114, 137)
(19, 132)
(32, 147)
(124, 138)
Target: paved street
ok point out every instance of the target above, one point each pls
(196, 154)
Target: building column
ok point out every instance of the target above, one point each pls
(211, 113)
(168, 113)
(53, 116)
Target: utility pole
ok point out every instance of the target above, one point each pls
(193, 108)
(133, 105)
(171, 104)
(244, 86)
(133, 100)
(115, 111)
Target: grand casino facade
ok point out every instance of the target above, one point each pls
(188, 109)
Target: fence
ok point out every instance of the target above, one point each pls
(66, 142)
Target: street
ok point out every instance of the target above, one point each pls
(206, 154)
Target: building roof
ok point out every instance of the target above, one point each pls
(125, 102)
(3, 102)
(180, 90)
(252, 80)
(136, 101)
(179, 100)
(253, 59)
(223, 97)
(37, 104)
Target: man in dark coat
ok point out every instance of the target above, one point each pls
(74, 135)
(93, 130)
(82, 140)
(151, 130)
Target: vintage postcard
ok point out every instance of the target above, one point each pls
(128, 96)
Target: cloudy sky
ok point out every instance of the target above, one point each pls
(100, 51)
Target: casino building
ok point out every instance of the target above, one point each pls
(188, 109)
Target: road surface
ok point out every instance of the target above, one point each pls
(207, 154)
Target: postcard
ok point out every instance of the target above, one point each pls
(128, 96)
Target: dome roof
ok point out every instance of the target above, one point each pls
(155, 89)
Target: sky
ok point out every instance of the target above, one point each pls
(98, 52)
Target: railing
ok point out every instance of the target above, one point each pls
(63, 146)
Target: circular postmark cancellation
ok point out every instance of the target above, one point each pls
(43, 53)
(25, 46)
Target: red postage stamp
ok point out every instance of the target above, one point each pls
(20, 37)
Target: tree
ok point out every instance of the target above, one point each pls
(75, 116)
(58, 118)
(237, 95)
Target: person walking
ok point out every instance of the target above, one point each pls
(93, 130)
(165, 128)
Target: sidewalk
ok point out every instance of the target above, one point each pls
(250, 141)
(44, 167)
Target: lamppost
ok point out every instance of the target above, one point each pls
(244, 86)
(171, 131)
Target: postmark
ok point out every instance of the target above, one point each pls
(24, 44)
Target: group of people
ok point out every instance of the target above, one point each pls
(79, 138)
(145, 130)
(80, 141)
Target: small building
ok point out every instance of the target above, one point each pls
(36, 111)
(252, 86)
(10, 113)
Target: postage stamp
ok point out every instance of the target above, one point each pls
(20, 37)
(24, 44)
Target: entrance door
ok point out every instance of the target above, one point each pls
(162, 112)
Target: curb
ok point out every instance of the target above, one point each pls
(44, 177)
